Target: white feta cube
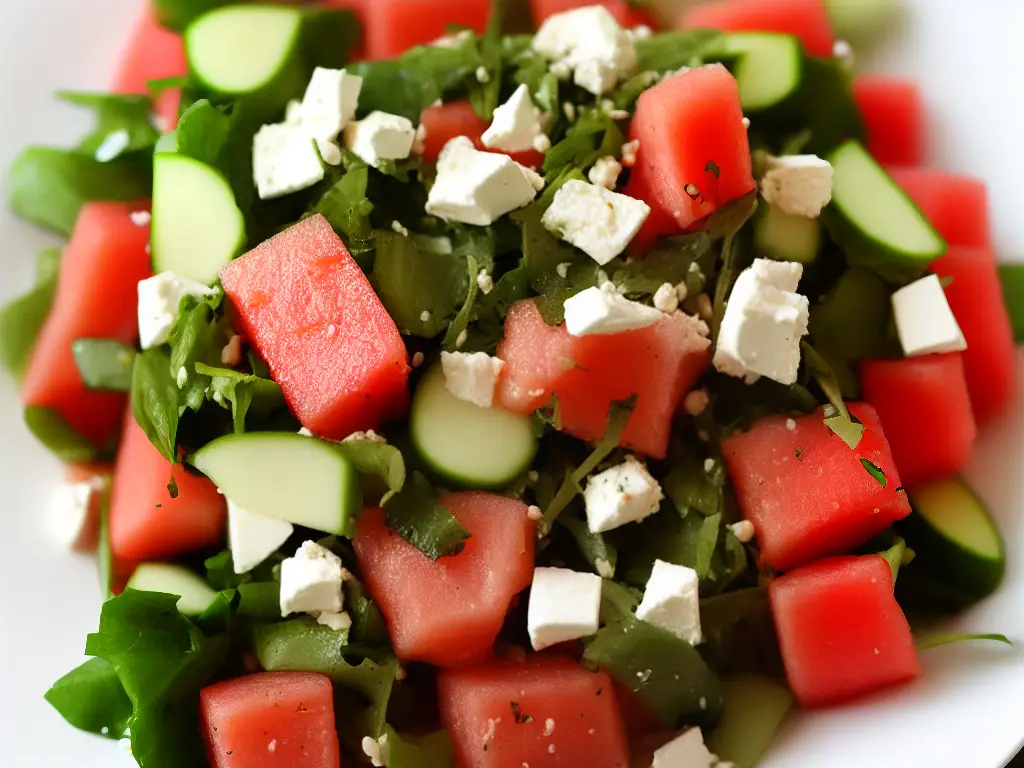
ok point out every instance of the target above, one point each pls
(800, 185)
(285, 159)
(564, 605)
(68, 518)
(380, 136)
(159, 298)
(605, 172)
(329, 103)
(471, 376)
(599, 222)
(478, 188)
(516, 125)
(924, 320)
(253, 537)
(311, 581)
(672, 602)
(686, 751)
(764, 321)
(368, 436)
(589, 42)
(626, 493)
(604, 311)
(666, 298)
(339, 622)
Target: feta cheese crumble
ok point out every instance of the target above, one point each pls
(605, 172)
(599, 222)
(671, 601)
(743, 530)
(800, 185)
(339, 622)
(626, 493)
(924, 321)
(764, 321)
(604, 311)
(285, 159)
(68, 515)
(329, 103)
(253, 537)
(380, 136)
(687, 751)
(666, 299)
(484, 282)
(564, 605)
(516, 124)
(589, 42)
(311, 581)
(471, 376)
(159, 298)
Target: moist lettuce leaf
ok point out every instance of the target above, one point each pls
(91, 698)
(418, 517)
(240, 393)
(156, 400)
(104, 364)
(116, 113)
(22, 318)
(376, 460)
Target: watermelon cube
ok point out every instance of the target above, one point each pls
(311, 313)
(806, 19)
(957, 206)
(394, 26)
(807, 492)
(893, 115)
(153, 53)
(926, 409)
(624, 12)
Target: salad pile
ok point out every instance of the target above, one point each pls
(478, 398)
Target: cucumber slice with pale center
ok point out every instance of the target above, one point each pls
(786, 237)
(286, 476)
(466, 444)
(196, 227)
(754, 707)
(874, 222)
(194, 594)
(769, 69)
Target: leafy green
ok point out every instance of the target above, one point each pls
(162, 660)
(375, 459)
(197, 337)
(727, 222)
(484, 96)
(368, 625)
(830, 111)
(669, 262)
(347, 208)
(104, 363)
(1012, 278)
(595, 547)
(91, 698)
(59, 437)
(875, 471)
(692, 486)
(739, 633)
(116, 113)
(241, 392)
(22, 318)
(431, 751)
(897, 556)
(592, 136)
(936, 640)
(260, 600)
(840, 421)
(156, 399)
(460, 323)
(418, 517)
(104, 554)
(673, 50)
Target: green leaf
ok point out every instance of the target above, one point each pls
(156, 400)
(431, 751)
(689, 485)
(896, 556)
(368, 625)
(260, 600)
(669, 262)
(936, 640)
(59, 437)
(460, 323)
(673, 50)
(162, 660)
(726, 223)
(831, 113)
(875, 471)
(1012, 278)
(418, 517)
(241, 392)
(841, 422)
(707, 541)
(595, 547)
(485, 96)
(739, 633)
(104, 554)
(104, 363)
(347, 209)
(592, 136)
(22, 318)
(116, 113)
(91, 698)
(376, 459)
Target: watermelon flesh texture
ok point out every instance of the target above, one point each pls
(807, 492)
(956, 205)
(270, 720)
(311, 313)
(627, 15)
(97, 297)
(153, 53)
(393, 26)
(443, 122)
(841, 632)
(448, 612)
(694, 155)
(658, 364)
(805, 19)
(893, 114)
(500, 715)
(975, 296)
(926, 409)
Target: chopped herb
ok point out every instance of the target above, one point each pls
(712, 168)
(417, 516)
(518, 716)
(875, 472)
(936, 640)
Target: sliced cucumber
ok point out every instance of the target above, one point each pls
(286, 476)
(197, 228)
(466, 444)
(194, 594)
(753, 710)
(769, 70)
(785, 237)
(874, 221)
(249, 50)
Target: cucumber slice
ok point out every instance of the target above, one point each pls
(874, 221)
(753, 710)
(168, 142)
(286, 476)
(195, 595)
(785, 237)
(197, 228)
(769, 70)
(248, 50)
(466, 444)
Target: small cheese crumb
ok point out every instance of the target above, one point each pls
(369, 436)
(425, 316)
(140, 218)
(482, 75)
(709, 466)
(605, 172)
(666, 299)
(563, 269)
(338, 621)
(471, 376)
(396, 226)
(182, 377)
(746, 122)
(570, 110)
(629, 150)
(371, 748)
(112, 146)
(549, 726)
(542, 144)
(484, 282)
(791, 425)
(417, 360)
(743, 530)
(534, 513)
(460, 340)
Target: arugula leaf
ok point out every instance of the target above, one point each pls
(727, 222)
(156, 400)
(595, 547)
(126, 115)
(368, 625)
(59, 437)
(490, 310)
(672, 50)
(198, 336)
(936, 640)
(417, 516)
(840, 421)
(460, 323)
(1011, 276)
(347, 209)
(739, 633)
(670, 262)
(379, 460)
(22, 318)
(690, 485)
(162, 660)
(104, 363)
(592, 136)
(241, 392)
(898, 555)
(178, 14)
(91, 698)
(484, 96)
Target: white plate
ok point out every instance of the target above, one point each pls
(968, 709)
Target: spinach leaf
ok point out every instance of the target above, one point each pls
(694, 481)
(669, 262)
(839, 420)
(830, 112)
(898, 555)
(104, 363)
(162, 660)
(260, 600)
(595, 547)
(241, 392)
(489, 311)
(198, 337)
(122, 119)
(22, 318)
(91, 698)
(418, 517)
(347, 208)
(1011, 276)
(739, 633)
(727, 222)
(485, 95)
(378, 460)
(592, 136)
(672, 50)
(368, 625)
(460, 323)
(59, 437)
(156, 400)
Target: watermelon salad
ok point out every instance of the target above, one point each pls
(440, 390)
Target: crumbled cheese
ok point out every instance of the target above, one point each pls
(533, 512)
(231, 354)
(629, 150)
(743, 530)
(397, 228)
(140, 218)
(471, 376)
(461, 339)
(285, 159)
(800, 185)
(339, 622)
(419, 143)
(516, 124)
(591, 43)
(924, 321)
(159, 297)
(372, 749)
(311, 581)
(253, 537)
(484, 282)
(666, 299)
(687, 751)
(380, 136)
(599, 222)
(604, 568)
(417, 360)
(482, 75)
(542, 143)
(564, 605)
(626, 493)
(605, 172)
(563, 269)
(570, 111)
(68, 517)
(369, 436)
(182, 378)
(603, 311)
(672, 601)
(328, 104)
(330, 152)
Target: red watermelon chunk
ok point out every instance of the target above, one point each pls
(311, 313)
(394, 26)
(893, 114)
(270, 720)
(547, 711)
(97, 297)
(694, 155)
(625, 13)
(153, 53)
(806, 492)
(925, 407)
(840, 630)
(806, 19)
(957, 206)
(657, 364)
(443, 122)
(975, 296)
(449, 611)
